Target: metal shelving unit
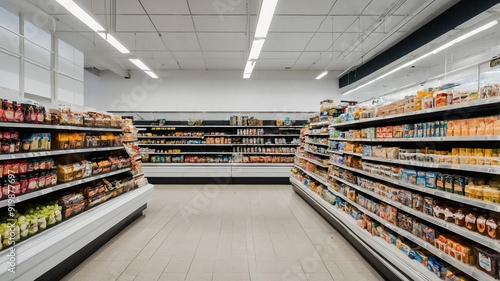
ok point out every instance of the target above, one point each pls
(439, 193)
(57, 152)
(56, 127)
(43, 191)
(48, 249)
(464, 232)
(313, 161)
(427, 139)
(345, 152)
(216, 126)
(394, 259)
(473, 105)
(317, 153)
(495, 170)
(316, 143)
(472, 271)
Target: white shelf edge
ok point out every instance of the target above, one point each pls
(229, 144)
(56, 127)
(345, 152)
(56, 152)
(397, 259)
(60, 186)
(495, 170)
(426, 139)
(471, 104)
(45, 250)
(316, 143)
(317, 153)
(439, 193)
(472, 271)
(319, 178)
(217, 126)
(493, 244)
(312, 161)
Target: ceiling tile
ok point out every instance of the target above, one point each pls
(192, 63)
(380, 7)
(218, 24)
(129, 7)
(130, 23)
(317, 55)
(273, 64)
(218, 7)
(409, 7)
(167, 7)
(279, 55)
(287, 42)
(340, 23)
(349, 7)
(223, 41)
(153, 54)
(224, 55)
(181, 41)
(230, 64)
(149, 42)
(322, 42)
(301, 7)
(188, 55)
(169, 23)
(165, 64)
(296, 23)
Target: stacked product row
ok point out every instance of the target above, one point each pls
(31, 112)
(385, 212)
(235, 158)
(487, 126)
(426, 99)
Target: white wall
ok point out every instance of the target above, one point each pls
(213, 90)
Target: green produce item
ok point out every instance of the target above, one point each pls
(42, 223)
(33, 225)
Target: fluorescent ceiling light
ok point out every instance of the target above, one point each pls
(112, 40)
(151, 74)
(265, 17)
(248, 69)
(256, 48)
(322, 75)
(78, 12)
(435, 51)
(139, 64)
(87, 19)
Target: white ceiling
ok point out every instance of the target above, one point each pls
(216, 34)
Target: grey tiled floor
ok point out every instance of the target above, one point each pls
(237, 232)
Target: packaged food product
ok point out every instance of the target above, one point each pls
(493, 227)
(481, 224)
(460, 216)
(470, 220)
(487, 261)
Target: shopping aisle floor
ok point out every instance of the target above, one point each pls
(233, 233)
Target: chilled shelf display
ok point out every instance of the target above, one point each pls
(433, 192)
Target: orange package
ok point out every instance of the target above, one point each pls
(457, 128)
(473, 127)
(489, 122)
(496, 126)
(464, 127)
(451, 125)
(481, 127)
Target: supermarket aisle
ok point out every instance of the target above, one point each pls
(233, 233)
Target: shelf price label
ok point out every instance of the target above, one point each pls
(46, 190)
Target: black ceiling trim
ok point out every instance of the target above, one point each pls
(446, 21)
